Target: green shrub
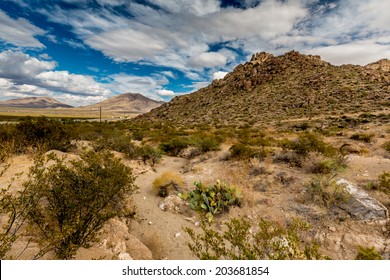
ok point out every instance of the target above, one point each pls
(243, 152)
(41, 133)
(326, 192)
(368, 253)
(328, 166)
(174, 146)
(386, 146)
(149, 154)
(212, 199)
(308, 142)
(364, 137)
(73, 200)
(240, 242)
(291, 158)
(205, 142)
(383, 183)
(119, 142)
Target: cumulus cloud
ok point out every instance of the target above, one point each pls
(208, 59)
(219, 75)
(24, 75)
(165, 92)
(21, 68)
(126, 44)
(150, 86)
(360, 52)
(19, 32)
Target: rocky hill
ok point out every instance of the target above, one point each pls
(34, 102)
(127, 103)
(271, 88)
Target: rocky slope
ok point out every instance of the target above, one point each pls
(128, 103)
(34, 102)
(271, 88)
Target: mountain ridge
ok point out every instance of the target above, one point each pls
(127, 102)
(34, 102)
(271, 88)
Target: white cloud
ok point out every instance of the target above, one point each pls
(148, 86)
(169, 74)
(19, 32)
(23, 75)
(360, 52)
(20, 67)
(219, 75)
(72, 83)
(196, 7)
(125, 44)
(208, 59)
(165, 92)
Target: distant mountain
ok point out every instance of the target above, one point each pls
(128, 103)
(270, 88)
(34, 102)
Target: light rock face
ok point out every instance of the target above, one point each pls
(361, 206)
(383, 65)
(116, 241)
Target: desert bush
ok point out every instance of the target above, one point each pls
(364, 137)
(7, 149)
(386, 146)
(149, 154)
(308, 142)
(74, 199)
(327, 166)
(212, 199)
(119, 142)
(167, 183)
(242, 151)
(368, 253)
(174, 146)
(382, 184)
(290, 158)
(326, 192)
(240, 242)
(205, 142)
(42, 133)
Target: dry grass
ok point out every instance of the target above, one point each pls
(166, 183)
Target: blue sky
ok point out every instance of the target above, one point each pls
(84, 51)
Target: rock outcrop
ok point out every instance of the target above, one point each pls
(360, 206)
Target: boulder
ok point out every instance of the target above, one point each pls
(360, 205)
(137, 250)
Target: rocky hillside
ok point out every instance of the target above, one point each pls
(34, 102)
(128, 103)
(271, 88)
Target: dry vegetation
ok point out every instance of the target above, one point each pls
(253, 175)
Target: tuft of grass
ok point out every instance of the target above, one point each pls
(326, 192)
(386, 146)
(328, 166)
(383, 183)
(243, 151)
(364, 137)
(368, 253)
(167, 183)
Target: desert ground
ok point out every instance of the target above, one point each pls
(273, 190)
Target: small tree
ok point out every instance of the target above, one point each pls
(75, 199)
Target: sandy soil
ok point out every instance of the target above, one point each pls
(276, 194)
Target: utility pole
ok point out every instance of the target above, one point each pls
(100, 113)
